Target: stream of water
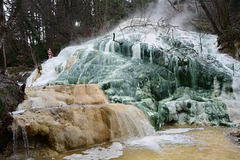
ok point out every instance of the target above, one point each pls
(171, 143)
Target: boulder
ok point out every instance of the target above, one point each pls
(86, 119)
(235, 136)
(63, 95)
(73, 127)
(10, 96)
(188, 106)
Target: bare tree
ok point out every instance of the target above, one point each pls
(226, 27)
(210, 17)
(6, 25)
(3, 34)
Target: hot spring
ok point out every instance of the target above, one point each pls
(115, 97)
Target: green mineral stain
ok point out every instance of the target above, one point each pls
(168, 85)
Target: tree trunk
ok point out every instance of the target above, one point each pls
(214, 25)
(2, 43)
(178, 5)
(4, 58)
(33, 57)
(226, 15)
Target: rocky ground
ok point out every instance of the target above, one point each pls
(235, 136)
(10, 96)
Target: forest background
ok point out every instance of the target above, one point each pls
(28, 28)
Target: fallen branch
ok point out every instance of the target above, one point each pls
(139, 25)
(116, 40)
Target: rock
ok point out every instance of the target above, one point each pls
(188, 106)
(235, 133)
(70, 62)
(235, 136)
(76, 126)
(87, 118)
(10, 96)
(33, 152)
(62, 95)
(149, 102)
(147, 72)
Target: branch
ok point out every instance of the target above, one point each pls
(48, 19)
(139, 25)
(204, 7)
(173, 6)
(14, 15)
(116, 40)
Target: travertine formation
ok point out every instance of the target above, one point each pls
(86, 119)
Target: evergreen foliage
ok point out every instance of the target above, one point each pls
(42, 24)
(30, 27)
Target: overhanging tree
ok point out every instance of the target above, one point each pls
(219, 13)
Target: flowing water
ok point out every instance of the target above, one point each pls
(171, 143)
(25, 140)
(14, 137)
(132, 122)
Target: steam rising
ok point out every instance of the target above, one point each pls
(180, 16)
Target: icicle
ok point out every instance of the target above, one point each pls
(136, 51)
(151, 57)
(236, 87)
(107, 47)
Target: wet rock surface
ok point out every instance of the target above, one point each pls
(85, 119)
(188, 106)
(10, 96)
(235, 136)
(73, 127)
(153, 72)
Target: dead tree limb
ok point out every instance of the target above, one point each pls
(116, 40)
(173, 6)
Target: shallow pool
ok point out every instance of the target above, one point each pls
(171, 143)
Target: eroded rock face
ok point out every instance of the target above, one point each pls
(10, 97)
(76, 125)
(188, 106)
(63, 95)
(235, 136)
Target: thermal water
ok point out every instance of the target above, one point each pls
(171, 143)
